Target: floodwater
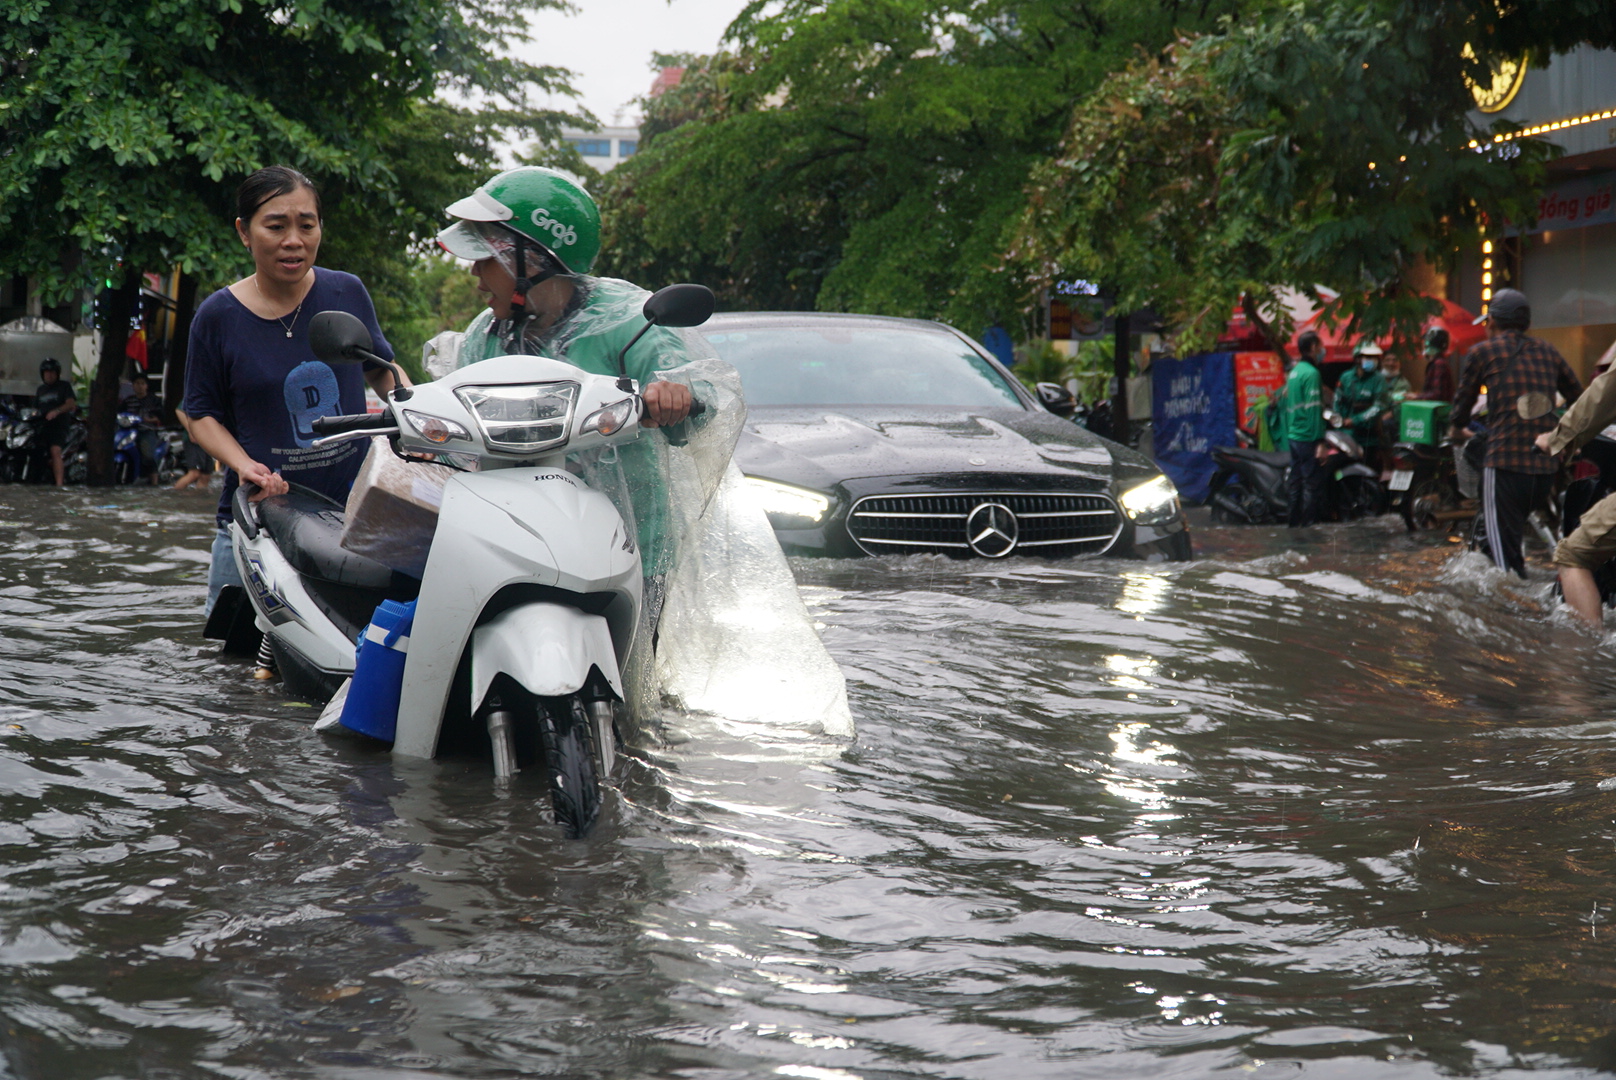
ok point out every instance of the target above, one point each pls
(1340, 809)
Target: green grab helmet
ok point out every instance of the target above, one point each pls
(544, 205)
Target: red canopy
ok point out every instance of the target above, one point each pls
(1460, 324)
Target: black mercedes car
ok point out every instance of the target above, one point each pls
(876, 436)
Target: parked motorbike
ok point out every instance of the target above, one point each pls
(126, 448)
(21, 458)
(26, 456)
(531, 593)
(1351, 488)
(1425, 485)
(1248, 487)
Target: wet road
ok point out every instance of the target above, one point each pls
(1345, 810)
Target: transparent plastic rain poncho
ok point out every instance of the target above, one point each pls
(736, 640)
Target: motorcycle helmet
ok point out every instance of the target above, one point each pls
(1436, 341)
(540, 205)
(50, 363)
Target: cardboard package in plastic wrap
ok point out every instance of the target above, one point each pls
(393, 509)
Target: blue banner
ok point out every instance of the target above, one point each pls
(1192, 410)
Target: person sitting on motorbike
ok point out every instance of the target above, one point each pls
(531, 234)
(57, 404)
(1360, 396)
(149, 407)
(1439, 381)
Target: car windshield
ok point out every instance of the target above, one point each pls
(861, 365)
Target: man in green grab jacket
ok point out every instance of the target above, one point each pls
(1302, 420)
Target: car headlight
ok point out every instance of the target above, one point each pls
(1151, 503)
(522, 419)
(435, 428)
(786, 501)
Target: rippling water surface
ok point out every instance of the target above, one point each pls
(1344, 810)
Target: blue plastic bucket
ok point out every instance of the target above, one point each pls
(372, 705)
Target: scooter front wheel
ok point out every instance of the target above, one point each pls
(569, 763)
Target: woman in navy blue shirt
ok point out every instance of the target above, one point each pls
(252, 384)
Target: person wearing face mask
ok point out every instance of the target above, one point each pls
(1360, 397)
(1522, 375)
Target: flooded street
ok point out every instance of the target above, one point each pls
(1345, 810)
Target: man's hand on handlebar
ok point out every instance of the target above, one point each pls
(665, 403)
(268, 483)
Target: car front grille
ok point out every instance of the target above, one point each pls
(1044, 524)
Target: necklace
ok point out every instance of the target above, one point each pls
(287, 326)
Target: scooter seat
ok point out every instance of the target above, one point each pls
(307, 527)
(1276, 458)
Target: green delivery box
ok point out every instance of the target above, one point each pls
(1422, 422)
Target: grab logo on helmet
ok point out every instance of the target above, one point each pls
(565, 235)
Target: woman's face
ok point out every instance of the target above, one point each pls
(495, 285)
(283, 236)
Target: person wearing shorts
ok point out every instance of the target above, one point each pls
(1593, 542)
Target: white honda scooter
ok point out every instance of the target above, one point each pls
(531, 593)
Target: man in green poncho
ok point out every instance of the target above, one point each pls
(1302, 419)
(1361, 397)
(531, 235)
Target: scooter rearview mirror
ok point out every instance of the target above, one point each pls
(340, 338)
(336, 337)
(672, 305)
(679, 305)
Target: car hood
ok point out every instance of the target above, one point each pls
(820, 448)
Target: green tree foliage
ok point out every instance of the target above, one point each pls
(1327, 143)
(875, 155)
(124, 128)
(869, 155)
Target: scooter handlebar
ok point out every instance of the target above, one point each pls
(338, 425)
(241, 509)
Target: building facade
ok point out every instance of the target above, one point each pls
(1566, 263)
(606, 148)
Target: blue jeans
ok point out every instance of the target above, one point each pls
(222, 570)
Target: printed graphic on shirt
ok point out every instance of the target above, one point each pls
(311, 392)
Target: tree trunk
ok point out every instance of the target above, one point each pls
(1121, 428)
(1275, 342)
(109, 371)
(174, 374)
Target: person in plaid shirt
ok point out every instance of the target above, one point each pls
(1521, 375)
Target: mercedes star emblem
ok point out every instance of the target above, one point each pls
(991, 530)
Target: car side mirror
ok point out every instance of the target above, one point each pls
(1057, 399)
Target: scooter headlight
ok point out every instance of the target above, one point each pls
(610, 419)
(1151, 503)
(785, 501)
(435, 429)
(522, 419)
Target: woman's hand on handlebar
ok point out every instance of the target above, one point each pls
(268, 483)
(665, 403)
